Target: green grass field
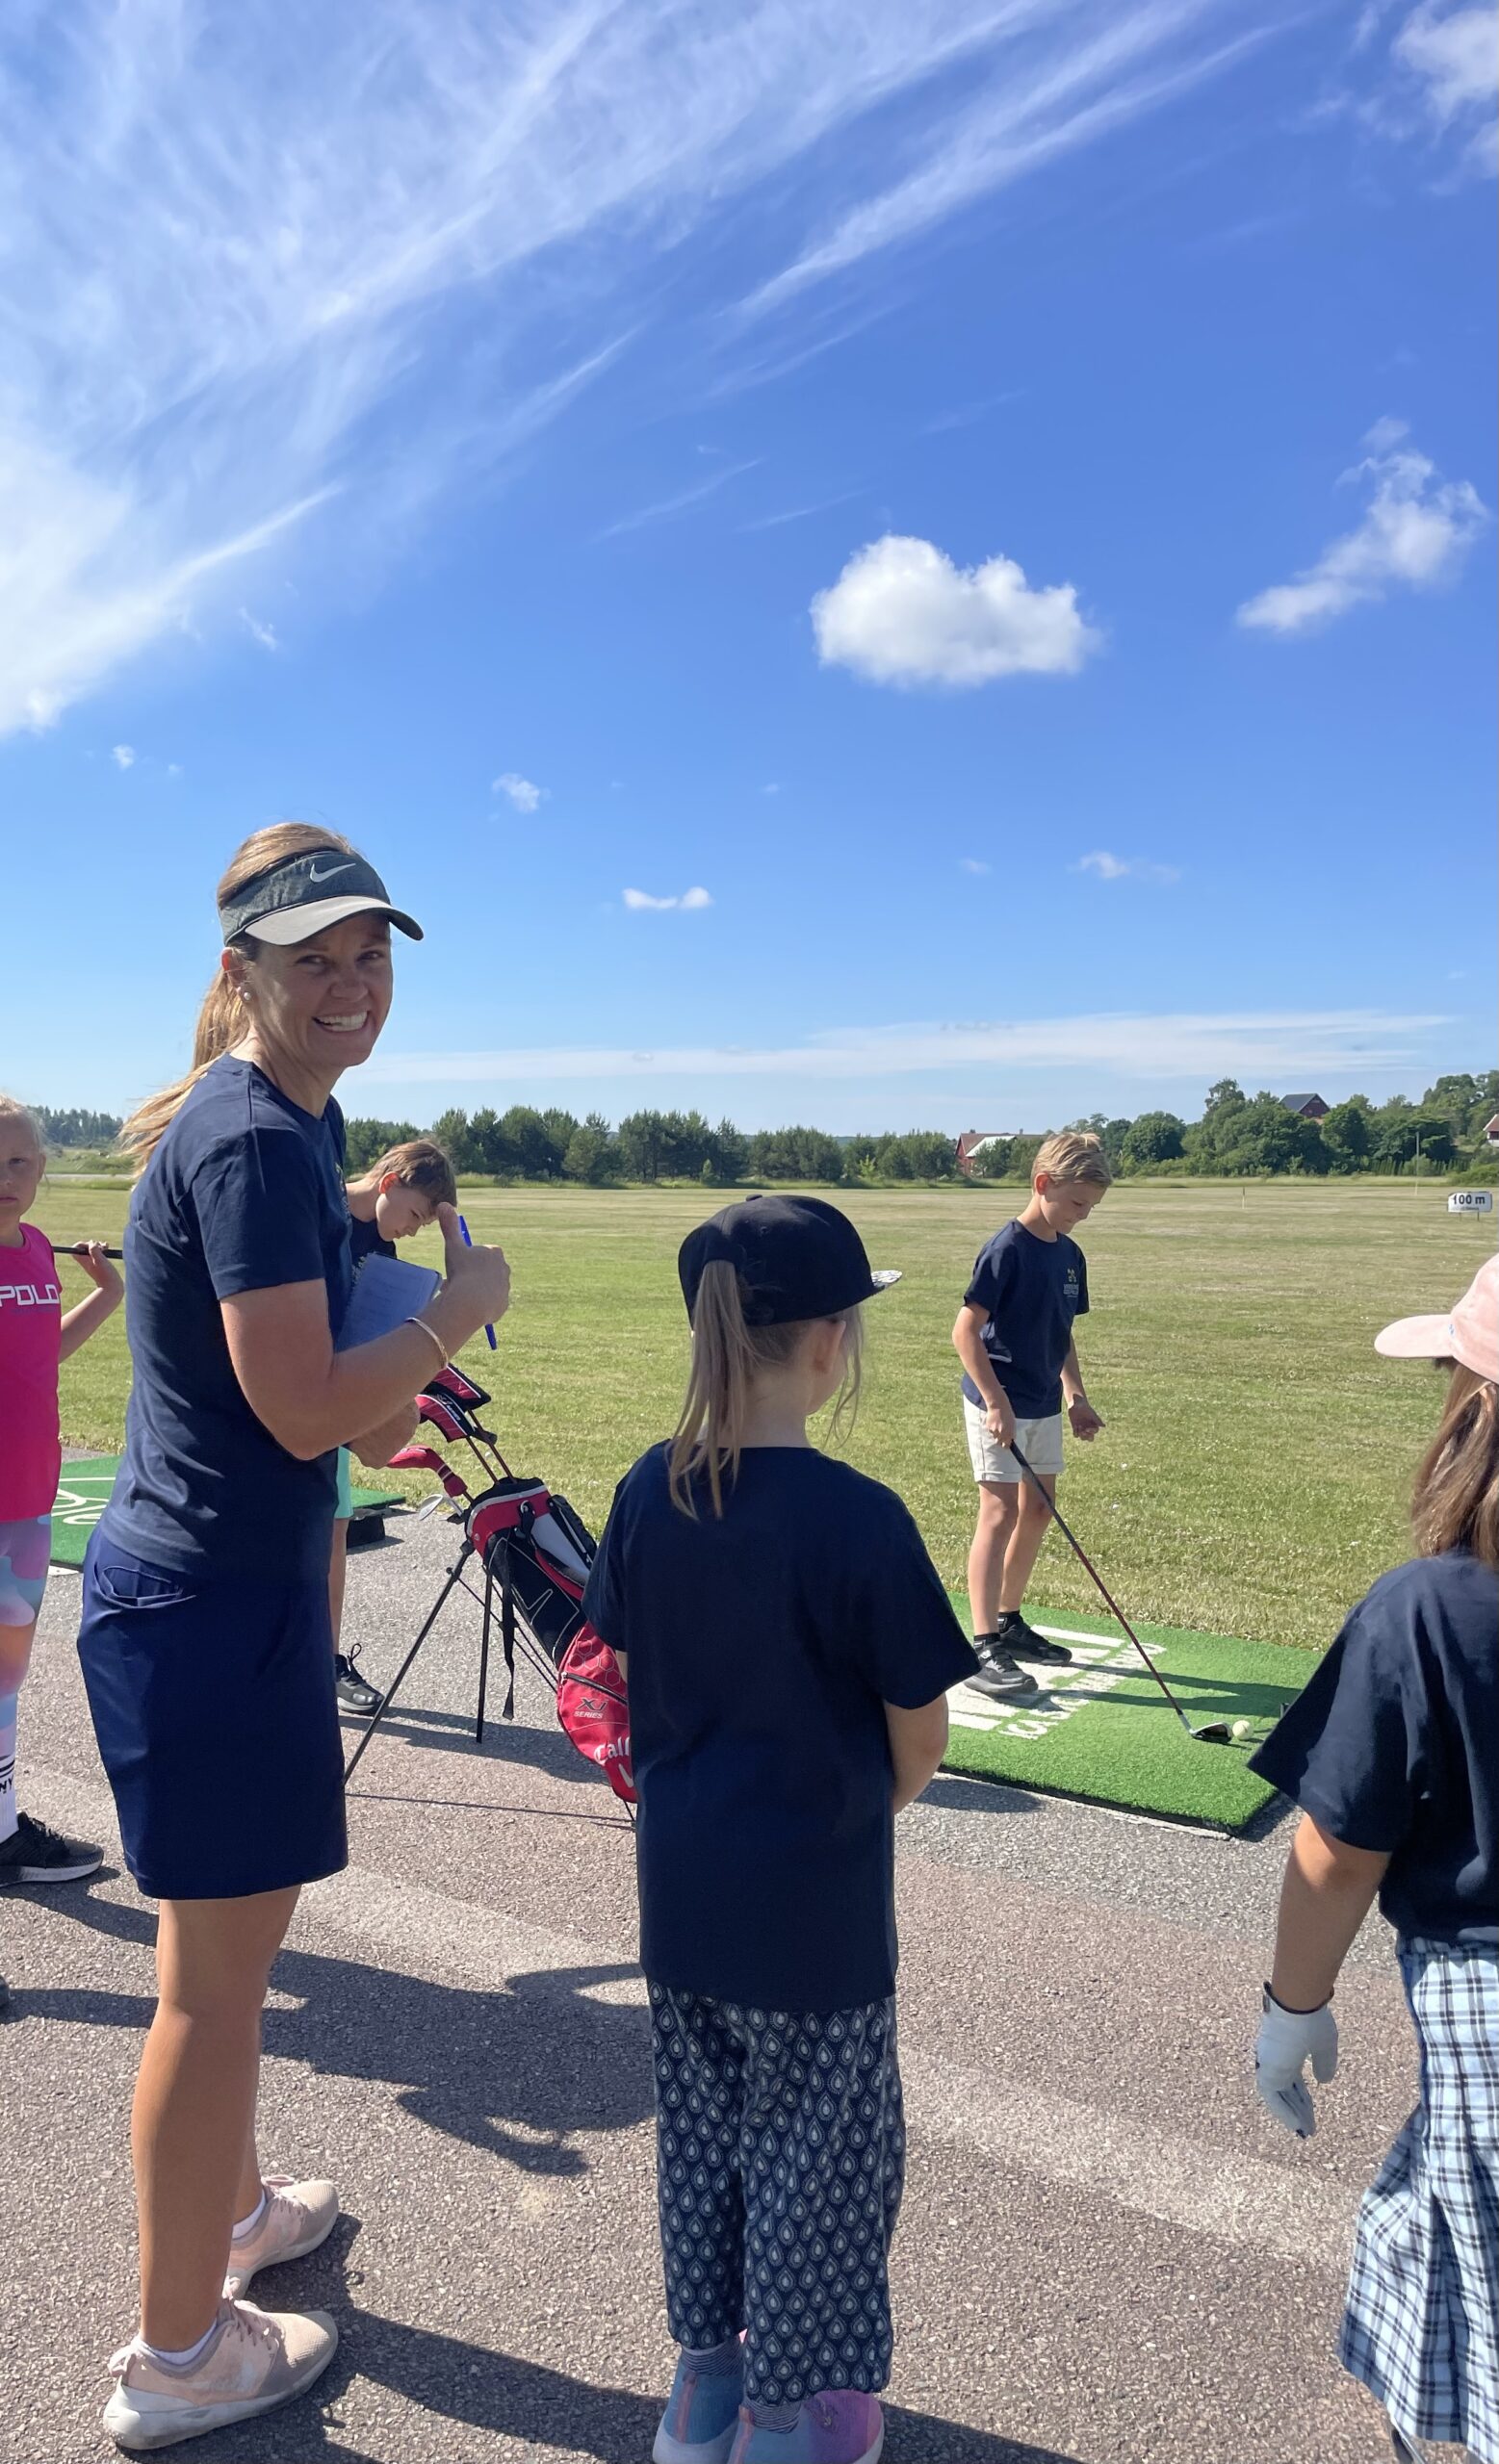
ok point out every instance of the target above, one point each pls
(1253, 1476)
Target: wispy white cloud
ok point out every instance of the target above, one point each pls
(666, 506)
(523, 793)
(123, 756)
(641, 901)
(973, 864)
(259, 631)
(261, 266)
(1091, 81)
(1415, 532)
(1452, 56)
(1258, 1046)
(1107, 867)
(901, 612)
(801, 512)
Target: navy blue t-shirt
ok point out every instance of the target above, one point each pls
(1394, 1745)
(762, 1650)
(243, 1192)
(364, 1242)
(1032, 1289)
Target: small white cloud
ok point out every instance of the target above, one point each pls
(524, 794)
(1107, 867)
(973, 864)
(641, 900)
(1414, 535)
(259, 631)
(1454, 56)
(771, 787)
(173, 769)
(124, 756)
(901, 612)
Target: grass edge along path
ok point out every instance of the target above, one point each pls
(1102, 1730)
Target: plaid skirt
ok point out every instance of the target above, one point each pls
(1421, 2328)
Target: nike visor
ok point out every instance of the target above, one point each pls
(305, 894)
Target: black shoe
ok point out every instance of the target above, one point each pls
(1001, 1676)
(34, 1853)
(353, 1694)
(1024, 1642)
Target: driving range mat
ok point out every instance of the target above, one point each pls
(83, 1493)
(1102, 1730)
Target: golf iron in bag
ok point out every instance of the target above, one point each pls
(1212, 1731)
(534, 1554)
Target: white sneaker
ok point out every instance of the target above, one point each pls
(254, 2360)
(297, 2217)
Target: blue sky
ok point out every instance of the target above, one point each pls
(855, 564)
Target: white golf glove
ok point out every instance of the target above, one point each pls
(1285, 2042)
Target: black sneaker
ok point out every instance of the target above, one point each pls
(353, 1694)
(1001, 1675)
(35, 1853)
(1024, 1643)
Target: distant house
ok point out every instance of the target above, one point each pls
(973, 1142)
(1306, 1107)
(1491, 1131)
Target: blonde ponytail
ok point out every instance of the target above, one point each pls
(728, 1355)
(220, 1019)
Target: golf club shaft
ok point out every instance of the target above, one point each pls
(1114, 1608)
(78, 1248)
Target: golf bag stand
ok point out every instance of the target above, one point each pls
(456, 1578)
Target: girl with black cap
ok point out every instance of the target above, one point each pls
(787, 1646)
(205, 1641)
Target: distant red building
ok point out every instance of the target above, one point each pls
(1306, 1107)
(974, 1139)
(1491, 1131)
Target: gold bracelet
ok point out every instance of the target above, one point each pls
(432, 1337)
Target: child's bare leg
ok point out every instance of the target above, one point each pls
(1024, 1546)
(993, 1537)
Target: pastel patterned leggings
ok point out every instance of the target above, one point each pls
(780, 2161)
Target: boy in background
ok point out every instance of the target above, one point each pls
(397, 1196)
(1014, 1336)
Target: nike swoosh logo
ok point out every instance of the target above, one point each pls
(327, 872)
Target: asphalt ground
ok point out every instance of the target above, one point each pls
(1107, 2256)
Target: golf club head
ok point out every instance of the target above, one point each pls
(1213, 1732)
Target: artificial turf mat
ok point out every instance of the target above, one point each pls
(83, 1493)
(1102, 1730)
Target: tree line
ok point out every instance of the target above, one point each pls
(1238, 1137)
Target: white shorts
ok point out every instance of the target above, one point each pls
(1039, 1441)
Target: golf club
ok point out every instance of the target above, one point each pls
(78, 1248)
(1212, 1731)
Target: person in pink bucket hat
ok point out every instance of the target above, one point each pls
(1392, 1753)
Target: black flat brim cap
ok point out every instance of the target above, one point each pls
(795, 1258)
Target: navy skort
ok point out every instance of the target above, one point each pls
(216, 1722)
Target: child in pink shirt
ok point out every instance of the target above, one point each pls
(34, 1338)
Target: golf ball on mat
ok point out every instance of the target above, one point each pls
(1241, 1728)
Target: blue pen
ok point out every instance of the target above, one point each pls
(468, 1245)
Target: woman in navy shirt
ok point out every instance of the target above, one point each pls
(205, 1641)
(1392, 1753)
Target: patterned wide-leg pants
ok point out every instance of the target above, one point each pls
(780, 2162)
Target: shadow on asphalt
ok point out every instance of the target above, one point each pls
(525, 2401)
(514, 2073)
(505, 1740)
(978, 1796)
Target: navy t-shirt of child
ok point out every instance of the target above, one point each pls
(1391, 1747)
(1032, 1289)
(243, 1192)
(761, 1652)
